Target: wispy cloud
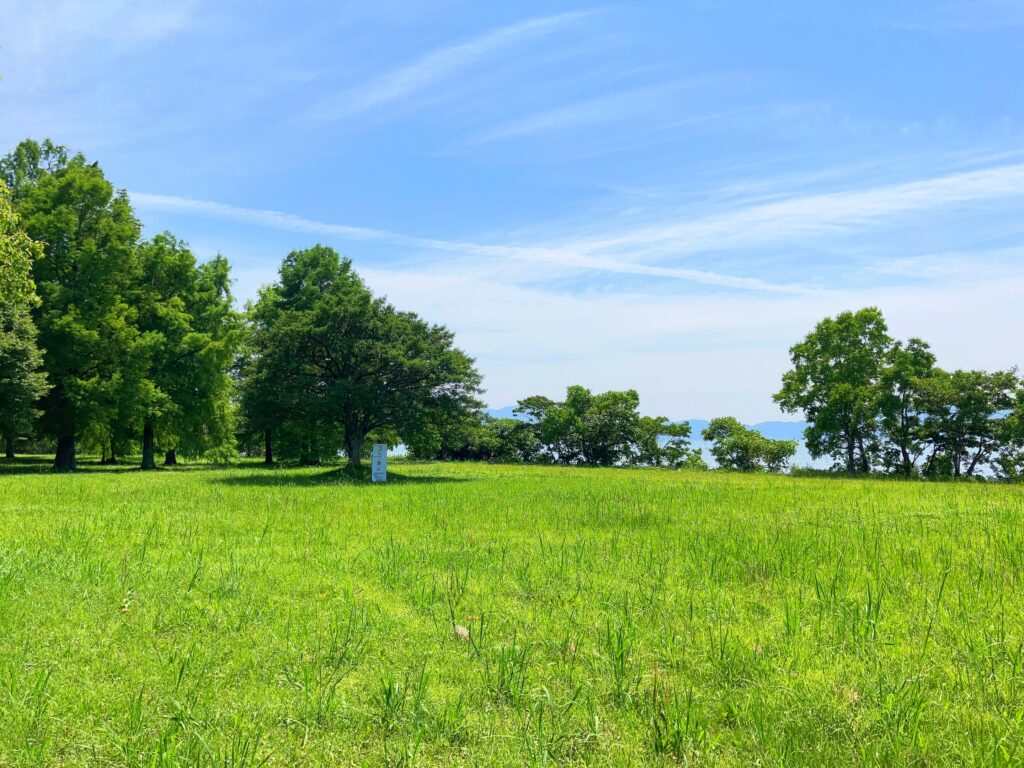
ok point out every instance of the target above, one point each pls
(689, 355)
(443, 64)
(658, 107)
(799, 220)
(565, 258)
(812, 216)
(46, 42)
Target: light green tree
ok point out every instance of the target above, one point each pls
(741, 448)
(22, 382)
(835, 382)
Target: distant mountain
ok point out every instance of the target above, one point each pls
(508, 412)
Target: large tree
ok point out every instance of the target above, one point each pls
(83, 278)
(22, 382)
(191, 331)
(359, 364)
(835, 382)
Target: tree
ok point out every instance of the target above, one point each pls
(663, 443)
(86, 326)
(835, 382)
(352, 361)
(605, 430)
(740, 448)
(589, 429)
(967, 418)
(908, 367)
(479, 437)
(191, 333)
(1009, 461)
(21, 381)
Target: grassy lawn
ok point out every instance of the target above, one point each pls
(479, 615)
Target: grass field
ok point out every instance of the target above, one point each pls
(478, 615)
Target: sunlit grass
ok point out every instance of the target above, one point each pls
(479, 615)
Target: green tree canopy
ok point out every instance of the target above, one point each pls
(326, 347)
(605, 430)
(192, 333)
(83, 278)
(907, 369)
(968, 415)
(835, 382)
(22, 382)
(738, 447)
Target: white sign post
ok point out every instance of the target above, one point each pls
(379, 463)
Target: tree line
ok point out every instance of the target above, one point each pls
(877, 404)
(124, 344)
(602, 430)
(118, 344)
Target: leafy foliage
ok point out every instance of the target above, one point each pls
(737, 447)
(874, 401)
(22, 382)
(605, 430)
(835, 382)
(83, 277)
(327, 351)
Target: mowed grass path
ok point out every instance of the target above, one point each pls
(243, 616)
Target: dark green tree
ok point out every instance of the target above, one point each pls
(185, 315)
(605, 430)
(480, 437)
(83, 279)
(1009, 461)
(659, 442)
(352, 361)
(835, 382)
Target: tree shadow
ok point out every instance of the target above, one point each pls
(43, 465)
(26, 465)
(284, 477)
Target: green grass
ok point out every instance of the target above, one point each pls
(244, 617)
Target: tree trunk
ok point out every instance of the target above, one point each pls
(354, 449)
(268, 449)
(851, 465)
(65, 460)
(111, 458)
(148, 448)
(9, 445)
(170, 458)
(908, 465)
(974, 461)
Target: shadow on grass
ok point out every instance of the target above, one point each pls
(43, 465)
(273, 476)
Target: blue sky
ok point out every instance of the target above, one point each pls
(657, 195)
